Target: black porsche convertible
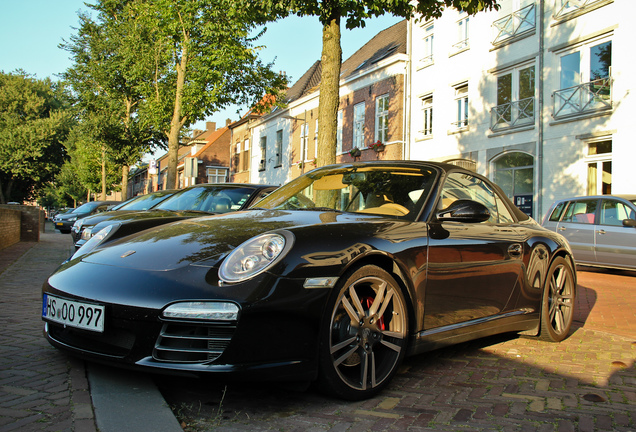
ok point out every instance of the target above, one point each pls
(333, 278)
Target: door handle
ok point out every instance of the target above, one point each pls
(561, 228)
(601, 231)
(515, 250)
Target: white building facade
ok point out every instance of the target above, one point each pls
(536, 96)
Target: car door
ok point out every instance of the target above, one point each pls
(473, 268)
(577, 226)
(615, 243)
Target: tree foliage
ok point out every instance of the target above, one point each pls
(354, 13)
(193, 58)
(107, 84)
(33, 124)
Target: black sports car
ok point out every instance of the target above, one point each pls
(335, 277)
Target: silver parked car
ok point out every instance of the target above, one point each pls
(600, 229)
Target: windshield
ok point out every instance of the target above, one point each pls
(89, 206)
(145, 202)
(209, 199)
(383, 190)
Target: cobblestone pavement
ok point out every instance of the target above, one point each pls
(502, 383)
(41, 389)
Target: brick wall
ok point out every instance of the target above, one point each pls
(9, 227)
(30, 223)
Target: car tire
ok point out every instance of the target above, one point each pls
(557, 308)
(365, 334)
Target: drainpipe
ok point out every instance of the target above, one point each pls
(406, 124)
(539, 210)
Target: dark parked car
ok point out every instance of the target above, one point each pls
(600, 229)
(64, 222)
(334, 277)
(193, 201)
(138, 203)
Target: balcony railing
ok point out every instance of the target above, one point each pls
(572, 6)
(587, 97)
(512, 114)
(514, 24)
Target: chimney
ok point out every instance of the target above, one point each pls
(211, 126)
(228, 122)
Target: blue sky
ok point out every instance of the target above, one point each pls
(31, 31)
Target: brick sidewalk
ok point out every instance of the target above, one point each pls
(41, 389)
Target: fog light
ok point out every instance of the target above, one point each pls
(215, 311)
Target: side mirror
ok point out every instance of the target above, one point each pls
(466, 211)
(629, 223)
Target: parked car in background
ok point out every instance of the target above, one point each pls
(193, 201)
(600, 229)
(333, 277)
(138, 203)
(64, 222)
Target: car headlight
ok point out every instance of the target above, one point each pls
(96, 240)
(78, 224)
(72, 219)
(255, 256)
(87, 233)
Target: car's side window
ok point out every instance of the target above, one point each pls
(464, 186)
(557, 212)
(581, 212)
(613, 213)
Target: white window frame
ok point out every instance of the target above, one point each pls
(599, 160)
(463, 34)
(461, 101)
(246, 154)
(382, 118)
(279, 148)
(263, 144)
(427, 115)
(358, 125)
(216, 174)
(339, 132)
(428, 44)
(304, 141)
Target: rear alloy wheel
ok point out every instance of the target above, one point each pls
(367, 335)
(557, 310)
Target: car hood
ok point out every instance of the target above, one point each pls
(206, 240)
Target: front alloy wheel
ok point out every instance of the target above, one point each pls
(557, 311)
(367, 335)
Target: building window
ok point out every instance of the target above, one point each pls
(382, 118)
(599, 168)
(263, 163)
(427, 110)
(461, 101)
(316, 141)
(514, 173)
(216, 175)
(304, 142)
(246, 155)
(515, 99)
(585, 81)
(358, 125)
(339, 133)
(427, 57)
(279, 148)
(462, 35)
(237, 157)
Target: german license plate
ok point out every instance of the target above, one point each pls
(59, 224)
(73, 313)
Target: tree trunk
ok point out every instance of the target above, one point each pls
(329, 93)
(125, 169)
(177, 121)
(103, 172)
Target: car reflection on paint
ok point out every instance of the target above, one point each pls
(332, 278)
